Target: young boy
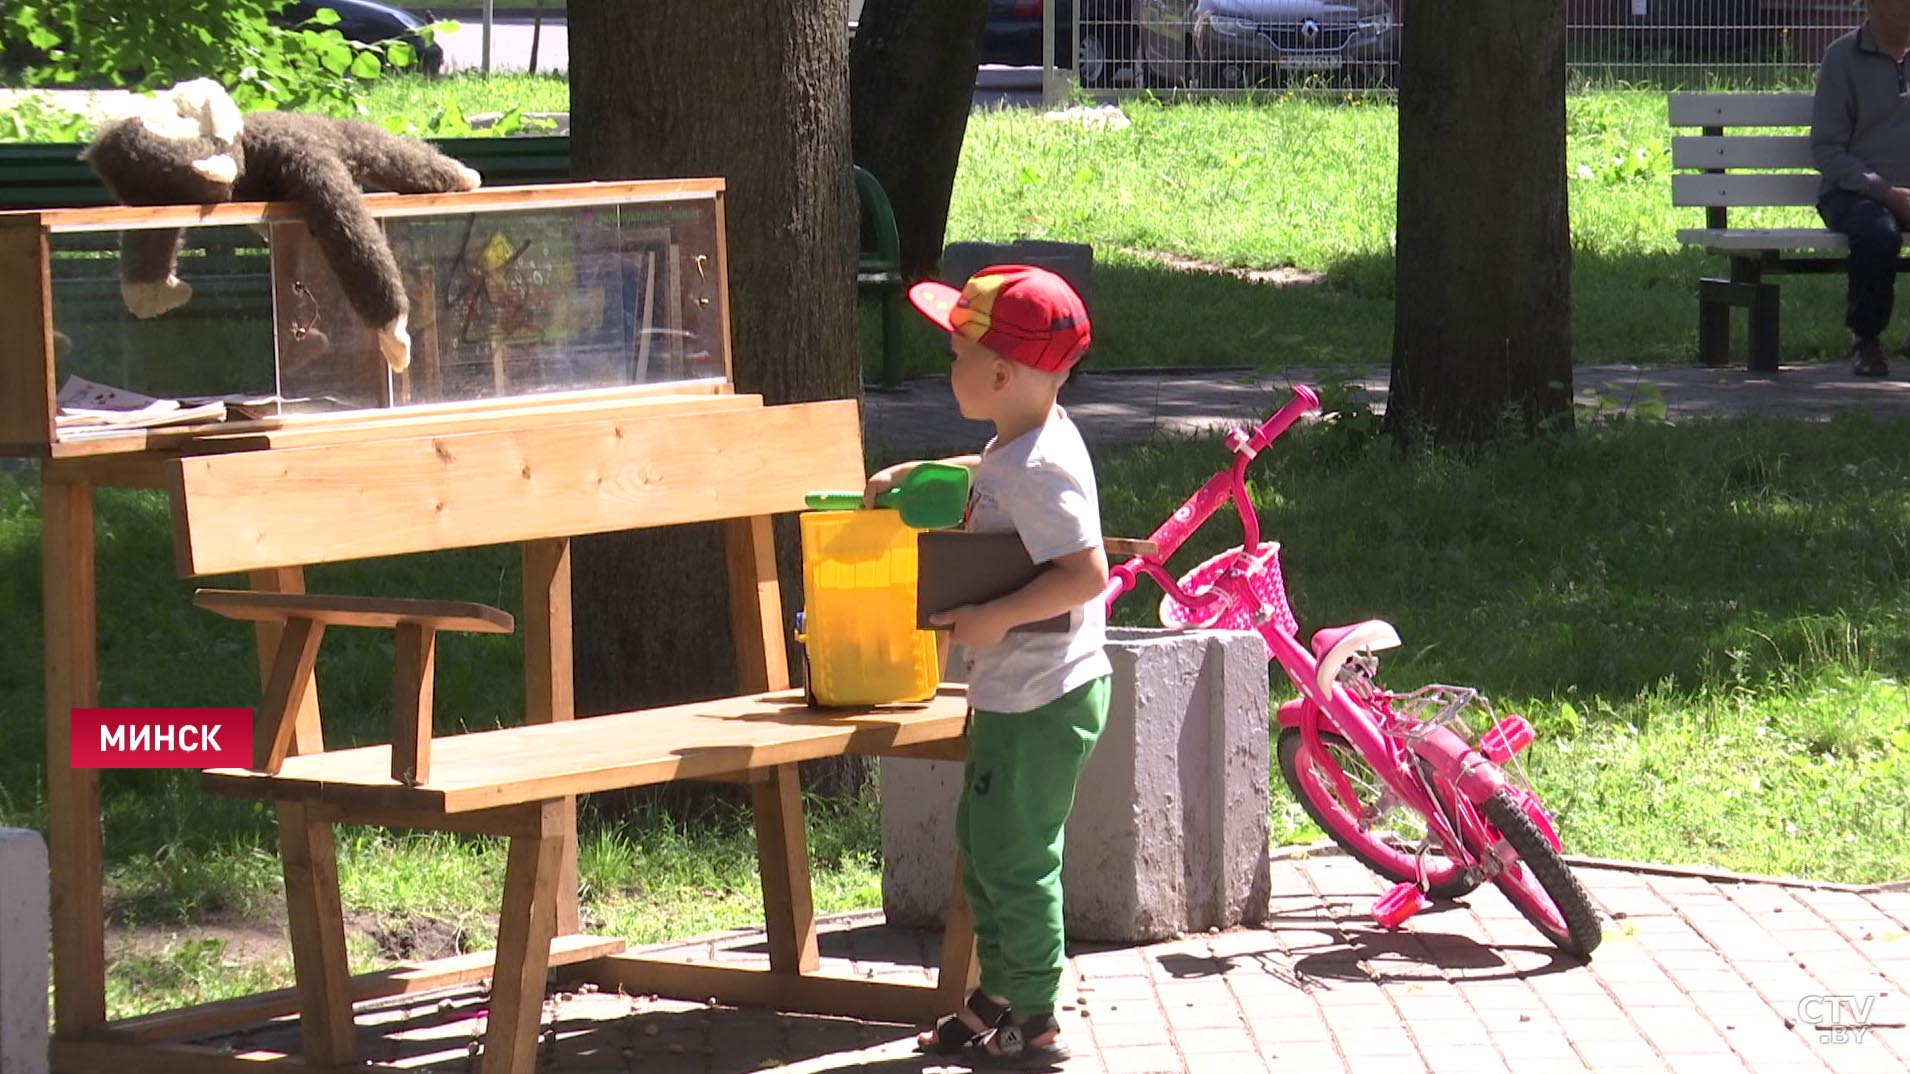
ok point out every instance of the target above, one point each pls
(1039, 700)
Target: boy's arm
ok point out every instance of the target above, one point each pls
(1069, 582)
(890, 476)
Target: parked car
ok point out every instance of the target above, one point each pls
(372, 23)
(1012, 35)
(1236, 43)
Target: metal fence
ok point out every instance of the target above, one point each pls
(1334, 45)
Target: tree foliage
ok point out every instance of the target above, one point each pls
(155, 43)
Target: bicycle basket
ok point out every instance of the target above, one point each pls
(1269, 591)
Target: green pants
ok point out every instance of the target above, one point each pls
(1018, 787)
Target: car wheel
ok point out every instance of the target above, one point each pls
(1108, 47)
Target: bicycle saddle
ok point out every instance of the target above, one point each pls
(1334, 646)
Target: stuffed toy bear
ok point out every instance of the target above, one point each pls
(191, 146)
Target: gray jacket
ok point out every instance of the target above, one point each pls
(1860, 118)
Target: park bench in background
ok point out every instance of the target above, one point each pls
(1722, 168)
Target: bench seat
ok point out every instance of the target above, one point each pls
(509, 766)
(1751, 151)
(1743, 239)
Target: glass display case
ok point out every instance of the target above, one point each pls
(528, 295)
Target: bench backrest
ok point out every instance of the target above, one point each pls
(667, 462)
(1737, 170)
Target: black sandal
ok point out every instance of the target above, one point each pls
(951, 1036)
(1008, 1046)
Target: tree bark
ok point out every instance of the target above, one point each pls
(911, 85)
(754, 91)
(1482, 314)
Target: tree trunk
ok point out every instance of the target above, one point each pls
(754, 91)
(911, 85)
(1482, 314)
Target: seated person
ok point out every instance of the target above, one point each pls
(1860, 141)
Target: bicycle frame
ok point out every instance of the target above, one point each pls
(1385, 745)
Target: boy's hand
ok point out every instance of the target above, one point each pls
(883, 480)
(977, 626)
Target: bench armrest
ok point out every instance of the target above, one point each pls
(305, 617)
(337, 610)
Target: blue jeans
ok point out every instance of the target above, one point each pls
(1875, 240)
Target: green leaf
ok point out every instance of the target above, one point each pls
(366, 65)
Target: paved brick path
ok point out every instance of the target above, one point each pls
(1698, 973)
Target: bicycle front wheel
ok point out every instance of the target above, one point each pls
(1539, 883)
(1374, 826)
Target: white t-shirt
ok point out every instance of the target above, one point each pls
(1041, 486)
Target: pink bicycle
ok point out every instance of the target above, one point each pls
(1400, 781)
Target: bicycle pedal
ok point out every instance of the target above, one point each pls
(1393, 908)
(1507, 737)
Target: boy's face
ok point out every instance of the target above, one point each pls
(977, 377)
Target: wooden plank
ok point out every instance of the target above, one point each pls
(1803, 238)
(809, 993)
(99, 1057)
(722, 288)
(413, 676)
(1125, 547)
(26, 347)
(73, 801)
(315, 918)
(308, 732)
(409, 979)
(1754, 151)
(487, 769)
(961, 971)
(1736, 189)
(337, 609)
(524, 929)
(382, 206)
(756, 604)
(549, 692)
(1740, 109)
(319, 505)
(108, 471)
(782, 859)
(275, 729)
(505, 820)
(355, 426)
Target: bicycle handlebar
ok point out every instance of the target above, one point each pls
(1191, 515)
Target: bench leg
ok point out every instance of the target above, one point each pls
(960, 972)
(1714, 323)
(1763, 342)
(782, 852)
(316, 919)
(524, 931)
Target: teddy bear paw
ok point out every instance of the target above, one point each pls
(152, 299)
(468, 178)
(395, 344)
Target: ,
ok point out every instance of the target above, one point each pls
(372, 23)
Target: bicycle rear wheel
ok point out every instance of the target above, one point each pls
(1539, 883)
(1360, 827)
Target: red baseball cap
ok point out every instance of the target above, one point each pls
(1025, 314)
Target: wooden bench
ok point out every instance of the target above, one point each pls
(265, 504)
(1721, 169)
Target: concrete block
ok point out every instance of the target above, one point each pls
(24, 938)
(1169, 831)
